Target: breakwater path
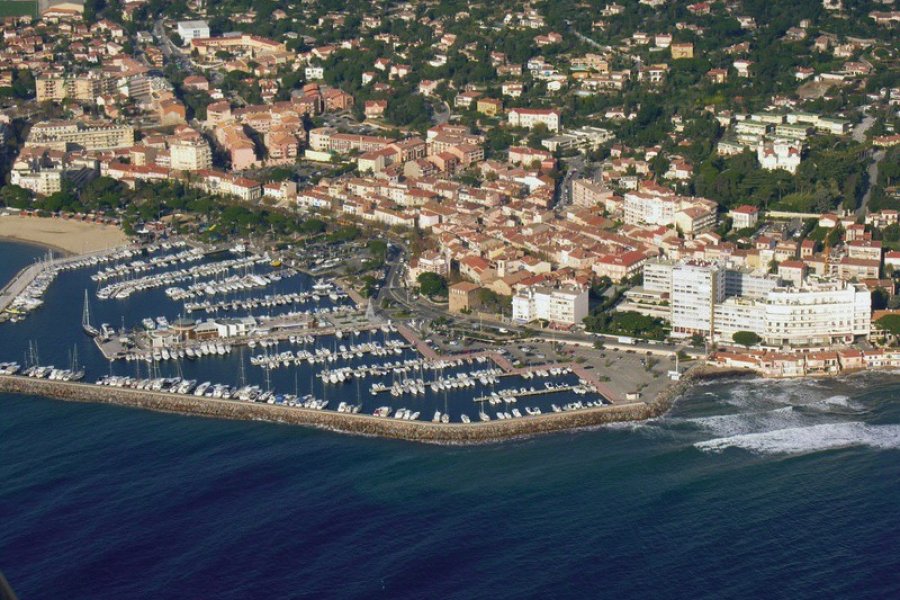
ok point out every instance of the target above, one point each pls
(360, 424)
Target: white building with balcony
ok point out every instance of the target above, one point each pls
(564, 306)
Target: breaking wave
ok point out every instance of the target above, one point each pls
(747, 422)
(803, 440)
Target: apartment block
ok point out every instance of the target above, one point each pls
(190, 155)
(696, 288)
(563, 306)
(75, 135)
(530, 117)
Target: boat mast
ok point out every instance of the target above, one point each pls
(86, 314)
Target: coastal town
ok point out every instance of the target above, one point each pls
(604, 195)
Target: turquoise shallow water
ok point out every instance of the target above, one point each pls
(748, 489)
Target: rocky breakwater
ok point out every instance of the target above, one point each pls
(699, 372)
(420, 431)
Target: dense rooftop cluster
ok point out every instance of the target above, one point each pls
(524, 146)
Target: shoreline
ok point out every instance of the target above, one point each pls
(63, 253)
(65, 236)
(462, 434)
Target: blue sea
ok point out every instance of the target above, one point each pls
(747, 489)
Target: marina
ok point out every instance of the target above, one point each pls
(247, 328)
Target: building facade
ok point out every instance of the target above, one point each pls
(564, 306)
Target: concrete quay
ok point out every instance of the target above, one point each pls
(18, 284)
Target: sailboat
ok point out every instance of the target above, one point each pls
(86, 318)
(77, 373)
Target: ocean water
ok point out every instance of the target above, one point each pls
(14, 257)
(747, 489)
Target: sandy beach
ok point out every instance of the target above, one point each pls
(74, 237)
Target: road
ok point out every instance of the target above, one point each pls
(859, 132)
(877, 157)
(584, 38)
(439, 118)
(169, 49)
(859, 135)
(574, 165)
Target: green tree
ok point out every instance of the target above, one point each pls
(746, 338)
(15, 196)
(890, 323)
(880, 298)
(432, 284)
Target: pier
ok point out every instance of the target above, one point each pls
(18, 284)
(280, 330)
(27, 276)
(524, 394)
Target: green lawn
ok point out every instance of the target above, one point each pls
(18, 8)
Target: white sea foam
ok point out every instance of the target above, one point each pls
(839, 402)
(836, 400)
(748, 422)
(816, 438)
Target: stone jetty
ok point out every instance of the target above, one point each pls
(419, 431)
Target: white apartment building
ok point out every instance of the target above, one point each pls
(738, 314)
(189, 30)
(314, 73)
(566, 306)
(190, 155)
(744, 217)
(820, 312)
(692, 215)
(584, 138)
(749, 284)
(658, 276)
(649, 209)
(696, 287)
(529, 117)
(717, 302)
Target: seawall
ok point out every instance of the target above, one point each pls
(359, 424)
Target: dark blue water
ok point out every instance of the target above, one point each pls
(14, 257)
(752, 489)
